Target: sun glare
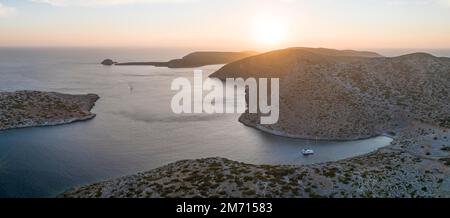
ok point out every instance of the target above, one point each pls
(270, 31)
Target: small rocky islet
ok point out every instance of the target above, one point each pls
(22, 109)
(326, 94)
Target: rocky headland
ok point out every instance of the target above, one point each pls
(192, 60)
(346, 95)
(32, 108)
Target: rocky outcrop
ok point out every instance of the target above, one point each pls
(32, 108)
(196, 59)
(108, 62)
(347, 95)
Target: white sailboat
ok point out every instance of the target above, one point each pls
(308, 151)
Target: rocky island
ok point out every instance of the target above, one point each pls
(195, 59)
(32, 108)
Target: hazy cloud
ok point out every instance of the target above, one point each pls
(6, 11)
(93, 3)
(419, 2)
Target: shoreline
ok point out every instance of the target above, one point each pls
(54, 123)
(305, 137)
(280, 134)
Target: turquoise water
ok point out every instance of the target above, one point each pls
(134, 130)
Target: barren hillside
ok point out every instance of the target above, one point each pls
(332, 94)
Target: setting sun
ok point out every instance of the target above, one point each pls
(270, 31)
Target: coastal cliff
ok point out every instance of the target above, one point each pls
(32, 108)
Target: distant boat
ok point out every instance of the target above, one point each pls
(307, 152)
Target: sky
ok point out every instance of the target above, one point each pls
(226, 24)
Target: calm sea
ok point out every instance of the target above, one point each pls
(135, 129)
